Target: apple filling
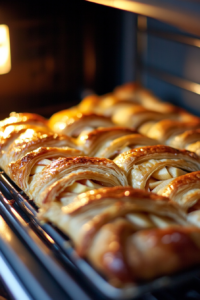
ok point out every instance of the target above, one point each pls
(83, 135)
(125, 149)
(148, 220)
(160, 178)
(194, 217)
(39, 166)
(81, 186)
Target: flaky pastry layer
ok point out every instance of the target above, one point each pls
(128, 233)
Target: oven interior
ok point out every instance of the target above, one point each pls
(59, 54)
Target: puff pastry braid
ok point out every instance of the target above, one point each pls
(23, 118)
(66, 177)
(165, 131)
(127, 234)
(23, 140)
(135, 92)
(185, 191)
(71, 123)
(110, 142)
(109, 103)
(23, 170)
(129, 97)
(138, 116)
(151, 167)
(190, 140)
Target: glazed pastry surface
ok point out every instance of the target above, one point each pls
(110, 142)
(72, 123)
(109, 225)
(97, 140)
(146, 166)
(125, 197)
(165, 130)
(29, 140)
(24, 169)
(189, 139)
(137, 115)
(63, 177)
(23, 118)
(11, 132)
(195, 147)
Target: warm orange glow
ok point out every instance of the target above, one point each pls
(7, 235)
(49, 238)
(5, 59)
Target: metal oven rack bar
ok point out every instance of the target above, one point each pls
(63, 248)
(181, 14)
(34, 265)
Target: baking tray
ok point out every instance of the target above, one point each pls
(88, 273)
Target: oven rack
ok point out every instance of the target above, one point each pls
(63, 247)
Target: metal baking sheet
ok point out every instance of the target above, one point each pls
(66, 250)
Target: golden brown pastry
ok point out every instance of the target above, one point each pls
(127, 234)
(185, 191)
(23, 118)
(110, 142)
(138, 116)
(64, 178)
(97, 140)
(73, 124)
(194, 147)
(128, 91)
(12, 132)
(126, 97)
(166, 131)
(189, 139)
(134, 92)
(109, 105)
(153, 167)
(123, 96)
(22, 170)
(24, 139)
(149, 100)
(89, 104)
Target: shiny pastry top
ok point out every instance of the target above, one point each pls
(179, 186)
(66, 177)
(138, 116)
(22, 170)
(185, 191)
(147, 167)
(190, 140)
(127, 234)
(23, 118)
(110, 142)
(135, 92)
(96, 140)
(72, 123)
(24, 141)
(12, 132)
(165, 130)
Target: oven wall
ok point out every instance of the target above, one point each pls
(60, 52)
(170, 64)
(45, 54)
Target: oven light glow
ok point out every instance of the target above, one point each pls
(5, 59)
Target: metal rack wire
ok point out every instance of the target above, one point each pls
(62, 246)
